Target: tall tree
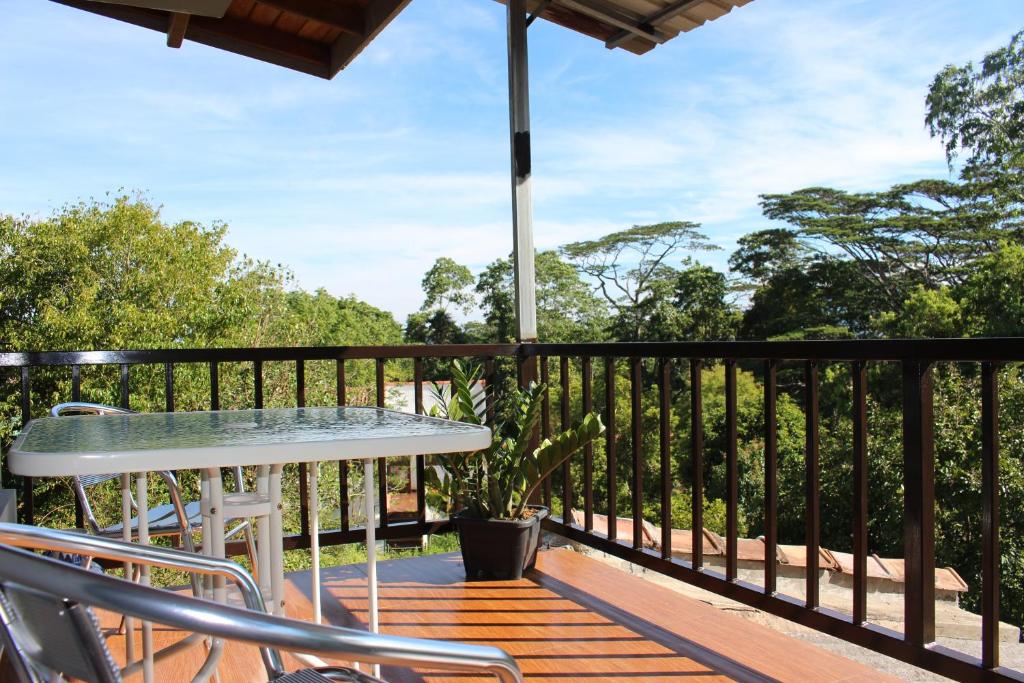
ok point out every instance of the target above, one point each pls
(631, 267)
(978, 110)
(446, 284)
(567, 310)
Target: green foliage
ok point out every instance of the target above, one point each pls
(567, 309)
(498, 481)
(630, 267)
(714, 514)
(447, 283)
(992, 298)
(980, 109)
(925, 313)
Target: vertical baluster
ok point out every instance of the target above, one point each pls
(421, 485)
(860, 493)
(919, 502)
(812, 492)
(169, 387)
(76, 383)
(489, 378)
(76, 395)
(214, 386)
(257, 384)
(125, 397)
(567, 493)
(28, 493)
(989, 516)
(697, 462)
(665, 442)
(609, 435)
(545, 420)
(636, 417)
(340, 389)
(300, 402)
(382, 463)
(588, 450)
(771, 478)
(300, 372)
(732, 498)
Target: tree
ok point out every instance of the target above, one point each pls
(447, 283)
(925, 233)
(762, 254)
(628, 266)
(992, 299)
(113, 275)
(980, 110)
(567, 310)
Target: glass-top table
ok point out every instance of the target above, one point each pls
(270, 438)
(91, 444)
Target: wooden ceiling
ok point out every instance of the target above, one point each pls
(322, 37)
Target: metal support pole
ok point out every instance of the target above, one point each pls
(522, 184)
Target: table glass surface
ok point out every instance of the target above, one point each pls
(154, 431)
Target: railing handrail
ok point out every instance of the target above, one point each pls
(991, 349)
(243, 354)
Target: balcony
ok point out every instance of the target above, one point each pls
(575, 615)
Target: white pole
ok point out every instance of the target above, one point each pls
(522, 184)
(129, 571)
(142, 496)
(371, 550)
(313, 472)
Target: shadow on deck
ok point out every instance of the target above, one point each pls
(573, 617)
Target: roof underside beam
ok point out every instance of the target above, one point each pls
(376, 15)
(613, 16)
(345, 17)
(651, 21)
(228, 34)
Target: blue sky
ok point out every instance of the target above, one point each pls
(359, 183)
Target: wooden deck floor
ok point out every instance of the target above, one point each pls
(572, 618)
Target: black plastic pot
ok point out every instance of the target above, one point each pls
(499, 548)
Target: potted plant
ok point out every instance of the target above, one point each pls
(487, 493)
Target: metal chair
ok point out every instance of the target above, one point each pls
(49, 631)
(177, 518)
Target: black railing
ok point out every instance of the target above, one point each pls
(657, 364)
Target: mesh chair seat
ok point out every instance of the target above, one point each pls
(163, 521)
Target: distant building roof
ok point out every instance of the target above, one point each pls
(752, 550)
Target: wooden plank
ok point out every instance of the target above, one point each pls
(177, 23)
(378, 14)
(572, 617)
(229, 33)
(345, 16)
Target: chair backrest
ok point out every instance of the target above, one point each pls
(45, 635)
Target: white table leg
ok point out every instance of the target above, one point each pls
(216, 534)
(211, 495)
(313, 472)
(371, 549)
(126, 535)
(142, 496)
(263, 572)
(204, 495)
(276, 540)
